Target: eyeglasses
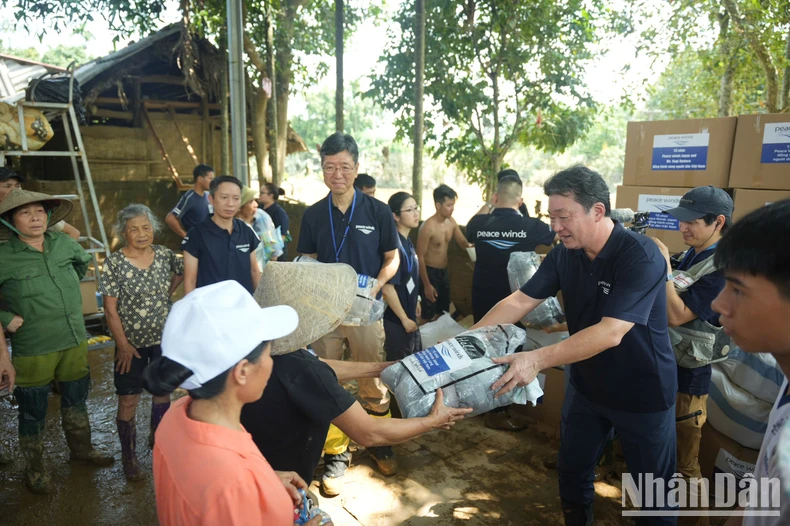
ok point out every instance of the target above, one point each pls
(345, 169)
(410, 210)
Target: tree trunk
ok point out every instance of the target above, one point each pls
(784, 101)
(276, 167)
(728, 58)
(224, 112)
(259, 139)
(339, 65)
(419, 80)
(761, 54)
(284, 56)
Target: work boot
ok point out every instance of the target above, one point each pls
(35, 476)
(77, 428)
(32, 414)
(6, 455)
(502, 420)
(385, 459)
(335, 467)
(577, 514)
(127, 433)
(158, 410)
(74, 418)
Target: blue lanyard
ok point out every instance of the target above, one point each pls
(409, 259)
(332, 225)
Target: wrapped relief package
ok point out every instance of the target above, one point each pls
(520, 268)
(463, 369)
(365, 310)
(442, 328)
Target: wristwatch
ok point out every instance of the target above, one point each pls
(670, 277)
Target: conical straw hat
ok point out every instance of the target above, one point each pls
(321, 293)
(60, 207)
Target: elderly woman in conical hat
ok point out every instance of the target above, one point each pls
(290, 422)
(40, 281)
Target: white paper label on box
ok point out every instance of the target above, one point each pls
(443, 357)
(686, 151)
(776, 143)
(656, 204)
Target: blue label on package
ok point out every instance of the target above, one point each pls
(362, 280)
(680, 152)
(432, 361)
(776, 143)
(661, 221)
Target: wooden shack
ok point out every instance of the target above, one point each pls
(153, 113)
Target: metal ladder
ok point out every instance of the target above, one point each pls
(71, 126)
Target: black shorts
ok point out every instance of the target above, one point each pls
(131, 382)
(398, 344)
(440, 279)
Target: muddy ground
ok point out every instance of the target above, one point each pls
(470, 475)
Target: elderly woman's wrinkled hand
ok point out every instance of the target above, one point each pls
(124, 352)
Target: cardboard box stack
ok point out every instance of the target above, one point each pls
(748, 155)
(760, 172)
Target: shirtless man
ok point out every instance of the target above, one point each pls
(432, 243)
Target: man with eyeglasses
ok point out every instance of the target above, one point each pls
(624, 373)
(350, 227)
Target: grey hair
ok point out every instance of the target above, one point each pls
(130, 212)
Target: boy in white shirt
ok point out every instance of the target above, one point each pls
(755, 313)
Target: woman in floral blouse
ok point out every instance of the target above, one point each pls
(137, 283)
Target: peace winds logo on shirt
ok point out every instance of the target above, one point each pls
(243, 248)
(605, 287)
(365, 229)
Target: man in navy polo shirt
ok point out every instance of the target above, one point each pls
(194, 206)
(705, 213)
(221, 247)
(350, 227)
(624, 372)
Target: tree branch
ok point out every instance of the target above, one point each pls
(477, 130)
(760, 52)
(252, 53)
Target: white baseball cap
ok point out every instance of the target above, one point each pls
(214, 327)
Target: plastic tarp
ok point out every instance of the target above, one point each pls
(442, 328)
(463, 369)
(736, 413)
(755, 373)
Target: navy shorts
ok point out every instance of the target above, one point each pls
(131, 382)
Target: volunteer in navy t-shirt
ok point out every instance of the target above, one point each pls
(496, 236)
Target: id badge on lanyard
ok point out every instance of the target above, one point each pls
(332, 225)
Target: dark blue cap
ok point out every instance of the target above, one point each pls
(702, 201)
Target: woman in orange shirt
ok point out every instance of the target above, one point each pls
(207, 470)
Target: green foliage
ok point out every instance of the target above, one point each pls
(64, 55)
(363, 119)
(689, 87)
(497, 73)
(123, 16)
(59, 55)
(704, 41)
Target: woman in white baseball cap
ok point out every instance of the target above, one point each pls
(207, 470)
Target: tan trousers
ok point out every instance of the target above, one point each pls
(366, 345)
(689, 433)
